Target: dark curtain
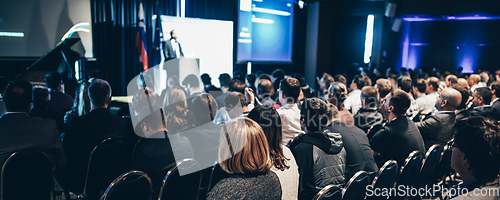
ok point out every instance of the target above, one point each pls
(114, 31)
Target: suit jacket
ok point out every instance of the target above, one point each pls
(437, 129)
(46, 113)
(496, 106)
(168, 50)
(86, 132)
(366, 119)
(461, 114)
(60, 101)
(485, 111)
(19, 131)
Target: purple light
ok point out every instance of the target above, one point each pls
(417, 19)
(476, 17)
(419, 44)
(458, 47)
(451, 17)
(482, 45)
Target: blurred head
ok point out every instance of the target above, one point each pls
(448, 100)
(270, 121)
(247, 150)
(464, 93)
(224, 80)
(174, 95)
(53, 80)
(476, 148)
(369, 97)
(232, 101)
(314, 113)
(358, 82)
(337, 93)
(173, 35)
(432, 85)
(99, 93)
(143, 98)
(463, 81)
(384, 87)
(265, 88)
(495, 90)
(173, 81)
(481, 96)
(474, 79)
(204, 108)
(151, 123)
(326, 81)
(206, 79)
(484, 77)
(175, 109)
(17, 96)
(341, 78)
(237, 86)
(191, 81)
(289, 91)
(404, 83)
(41, 96)
(451, 79)
(395, 103)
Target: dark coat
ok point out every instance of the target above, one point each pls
(437, 129)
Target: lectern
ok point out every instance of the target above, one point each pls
(181, 67)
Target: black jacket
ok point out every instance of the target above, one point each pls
(366, 119)
(356, 144)
(485, 111)
(437, 129)
(321, 159)
(461, 114)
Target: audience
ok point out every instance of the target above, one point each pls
(357, 147)
(476, 157)
(404, 83)
(81, 103)
(450, 79)
(495, 95)
(236, 105)
(462, 112)
(22, 132)
(337, 95)
(481, 99)
(41, 99)
(473, 82)
(265, 92)
(289, 92)
(383, 87)
(353, 100)
(426, 103)
(368, 116)
(250, 167)
(438, 128)
(320, 155)
(192, 84)
(400, 136)
(284, 164)
(87, 131)
(325, 82)
(208, 87)
(59, 100)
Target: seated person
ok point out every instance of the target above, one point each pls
(156, 154)
(495, 92)
(19, 131)
(476, 157)
(236, 105)
(41, 99)
(404, 83)
(249, 165)
(289, 92)
(356, 144)
(87, 131)
(59, 101)
(462, 112)
(265, 92)
(438, 128)
(481, 99)
(400, 136)
(320, 155)
(336, 96)
(368, 116)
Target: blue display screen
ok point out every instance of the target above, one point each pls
(265, 30)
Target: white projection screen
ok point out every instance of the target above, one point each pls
(209, 40)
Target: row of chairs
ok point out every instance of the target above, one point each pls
(34, 170)
(418, 171)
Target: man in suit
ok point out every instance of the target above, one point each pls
(462, 112)
(400, 136)
(208, 87)
(87, 131)
(172, 48)
(19, 131)
(368, 116)
(59, 100)
(438, 128)
(481, 99)
(41, 99)
(495, 91)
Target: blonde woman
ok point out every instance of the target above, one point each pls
(244, 154)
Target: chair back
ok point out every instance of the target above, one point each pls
(386, 178)
(429, 164)
(330, 192)
(444, 165)
(217, 174)
(130, 185)
(27, 175)
(206, 179)
(409, 171)
(355, 189)
(187, 186)
(107, 161)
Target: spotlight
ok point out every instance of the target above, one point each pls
(301, 4)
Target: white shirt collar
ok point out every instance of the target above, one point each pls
(494, 100)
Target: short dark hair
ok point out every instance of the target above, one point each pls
(206, 79)
(485, 93)
(338, 92)
(328, 79)
(291, 88)
(384, 87)
(496, 86)
(99, 92)
(315, 113)
(237, 86)
(302, 79)
(340, 78)
(204, 108)
(434, 82)
(192, 80)
(278, 73)
(18, 96)
(52, 80)
(370, 95)
(224, 79)
(420, 85)
(265, 88)
(359, 80)
(404, 83)
(234, 97)
(400, 100)
(464, 91)
(453, 79)
(479, 139)
(41, 96)
(152, 119)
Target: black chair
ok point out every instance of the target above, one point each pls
(429, 164)
(107, 161)
(444, 165)
(385, 179)
(330, 192)
(175, 186)
(355, 189)
(27, 175)
(130, 185)
(206, 179)
(409, 172)
(217, 174)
